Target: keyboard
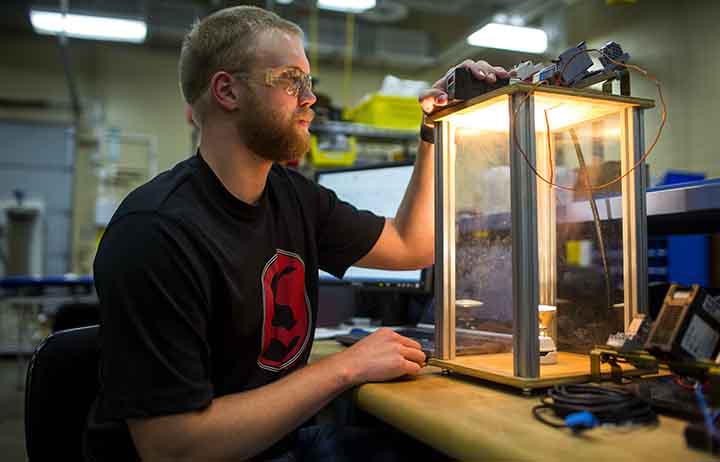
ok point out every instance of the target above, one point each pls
(466, 343)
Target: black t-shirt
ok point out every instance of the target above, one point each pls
(203, 295)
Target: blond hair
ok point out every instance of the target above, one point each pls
(225, 40)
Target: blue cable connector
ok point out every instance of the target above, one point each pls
(584, 420)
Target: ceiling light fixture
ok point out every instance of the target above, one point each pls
(501, 18)
(89, 27)
(346, 6)
(507, 37)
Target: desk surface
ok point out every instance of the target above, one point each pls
(472, 420)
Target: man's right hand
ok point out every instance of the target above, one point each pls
(240, 425)
(382, 355)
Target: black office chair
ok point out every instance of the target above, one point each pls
(60, 387)
(71, 315)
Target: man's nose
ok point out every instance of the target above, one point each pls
(307, 98)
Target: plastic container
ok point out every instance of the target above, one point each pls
(333, 152)
(396, 112)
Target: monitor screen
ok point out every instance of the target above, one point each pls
(379, 189)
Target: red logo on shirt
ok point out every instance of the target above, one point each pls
(286, 323)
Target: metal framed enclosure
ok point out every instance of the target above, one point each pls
(519, 232)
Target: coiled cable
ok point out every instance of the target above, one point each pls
(573, 403)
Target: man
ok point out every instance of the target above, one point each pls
(207, 274)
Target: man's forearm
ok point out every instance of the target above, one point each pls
(238, 426)
(415, 218)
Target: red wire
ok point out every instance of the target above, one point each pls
(642, 159)
(681, 383)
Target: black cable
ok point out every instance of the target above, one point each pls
(536, 413)
(608, 405)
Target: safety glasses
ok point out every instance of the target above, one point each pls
(294, 81)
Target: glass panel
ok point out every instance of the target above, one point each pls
(584, 277)
(483, 245)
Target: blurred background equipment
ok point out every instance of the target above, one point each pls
(25, 237)
(36, 196)
(122, 162)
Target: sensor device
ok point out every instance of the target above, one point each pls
(462, 85)
(688, 326)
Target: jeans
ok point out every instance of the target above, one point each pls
(333, 443)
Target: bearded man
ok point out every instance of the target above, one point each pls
(208, 274)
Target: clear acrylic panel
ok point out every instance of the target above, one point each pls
(580, 246)
(483, 243)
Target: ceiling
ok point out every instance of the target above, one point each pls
(402, 33)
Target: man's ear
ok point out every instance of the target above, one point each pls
(224, 92)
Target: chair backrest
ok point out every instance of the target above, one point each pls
(60, 387)
(72, 315)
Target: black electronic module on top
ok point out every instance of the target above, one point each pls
(462, 85)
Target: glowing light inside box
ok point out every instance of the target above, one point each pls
(88, 27)
(562, 112)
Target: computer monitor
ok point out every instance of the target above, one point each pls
(380, 189)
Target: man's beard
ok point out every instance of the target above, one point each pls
(267, 135)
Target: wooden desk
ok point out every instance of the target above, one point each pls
(472, 420)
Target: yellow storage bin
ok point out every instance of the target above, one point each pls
(398, 112)
(333, 150)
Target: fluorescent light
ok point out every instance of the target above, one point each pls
(89, 27)
(346, 6)
(501, 18)
(507, 37)
(284, 2)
